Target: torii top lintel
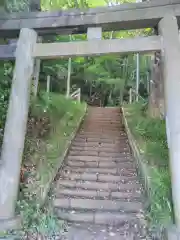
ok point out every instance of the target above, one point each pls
(121, 17)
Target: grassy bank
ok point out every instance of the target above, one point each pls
(52, 121)
(150, 136)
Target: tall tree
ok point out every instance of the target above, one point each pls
(156, 96)
(22, 5)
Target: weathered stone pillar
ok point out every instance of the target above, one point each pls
(168, 29)
(15, 127)
(37, 65)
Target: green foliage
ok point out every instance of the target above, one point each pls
(45, 154)
(5, 83)
(17, 5)
(160, 208)
(38, 221)
(63, 115)
(152, 131)
(150, 135)
(105, 76)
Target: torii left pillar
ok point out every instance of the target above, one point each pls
(15, 127)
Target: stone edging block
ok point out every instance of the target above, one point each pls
(142, 170)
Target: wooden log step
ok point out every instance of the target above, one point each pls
(133, 186)
(93, 204)
(80, 176)
(102, 218)
(116, 131)
(97, 144)
(103, 154)
(82, 164)
(97, 194)
(91, 170)
(118, 164)
(102, 164)
(99, 148)
(105, 133)
(113, 134)
(92, 120)
(82, 193)
(103, 118)
(113, 178)
(122, 172)
(101, 130)
(101, 125)
(96, 177)
(110, 137)
(98, 140)
(104, 111)
(91, 158)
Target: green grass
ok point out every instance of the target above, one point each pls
(150, 135)
(57, 117)
(64, 117)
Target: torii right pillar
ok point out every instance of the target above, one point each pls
(168, 29)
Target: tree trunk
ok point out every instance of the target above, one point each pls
(68, 78)
(137, 77)
(156, 95)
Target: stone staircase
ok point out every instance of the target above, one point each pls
(97, 190)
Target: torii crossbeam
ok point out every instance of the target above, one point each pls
(121, 17)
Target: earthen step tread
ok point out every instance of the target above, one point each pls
(89, 231)
(130, 186)
(75, 193)
(104, 218)
(94, 204)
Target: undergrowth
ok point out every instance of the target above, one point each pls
(150, 135)
(52, 120)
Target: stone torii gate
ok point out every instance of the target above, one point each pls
(164, 14)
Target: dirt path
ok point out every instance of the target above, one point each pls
(98, 191)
